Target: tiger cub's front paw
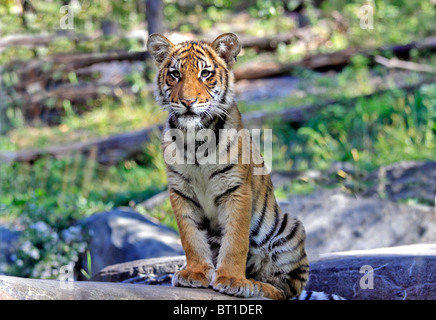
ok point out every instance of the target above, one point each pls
(192, 277)
(234, 286)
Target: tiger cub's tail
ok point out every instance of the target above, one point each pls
(315, 295)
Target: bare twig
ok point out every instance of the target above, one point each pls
(395, 63)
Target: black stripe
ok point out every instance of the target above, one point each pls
(192, 219)
(298, 274)
(225, 169)
(222, 197)
(195, 56)
(182, 52)
(295, 273)
(208, 91)
(213, 245)
(293, 291)
(214, 232)
(187, 198)
(276, 254)
(273, 229)
(249, 270)
(220, 123)
(256, 202)
(203, 224)
(283, 225)
(255, 231)
(191, 155)
(186, 179)
(308, 296)
(223, 99)
(291, 234)
(201, 58)
(173, 122)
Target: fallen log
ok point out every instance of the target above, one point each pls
(76, 93)
(106, 151)
(38, 40)
(270, 43)
(328, 61)
(42, 70)
(34, 106)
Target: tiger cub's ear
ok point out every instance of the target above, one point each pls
(227, 46)
(159, 48)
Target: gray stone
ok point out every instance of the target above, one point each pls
(335, 221)
(399, 181)
(14, 288)
(404, 180)
(123, 234)
(398, 273)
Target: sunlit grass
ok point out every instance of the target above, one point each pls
(108, 117)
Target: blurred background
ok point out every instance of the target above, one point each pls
(348, 88)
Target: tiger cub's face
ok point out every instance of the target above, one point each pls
(194, 82)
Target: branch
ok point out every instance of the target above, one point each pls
(328, 61)
(106, 151)
(395, 63)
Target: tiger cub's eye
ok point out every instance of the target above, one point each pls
(205, 73)
(175, 73)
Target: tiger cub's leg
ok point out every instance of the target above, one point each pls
(199, 265)
(234, 216)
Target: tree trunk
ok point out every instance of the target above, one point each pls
(154, 16)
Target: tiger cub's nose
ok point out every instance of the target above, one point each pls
(188, 102)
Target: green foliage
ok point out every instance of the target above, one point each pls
(297, 186)
(51, 195)
(381, 130)
(395, 21)
(163, 213)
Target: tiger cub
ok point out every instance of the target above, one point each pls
(235, 237)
